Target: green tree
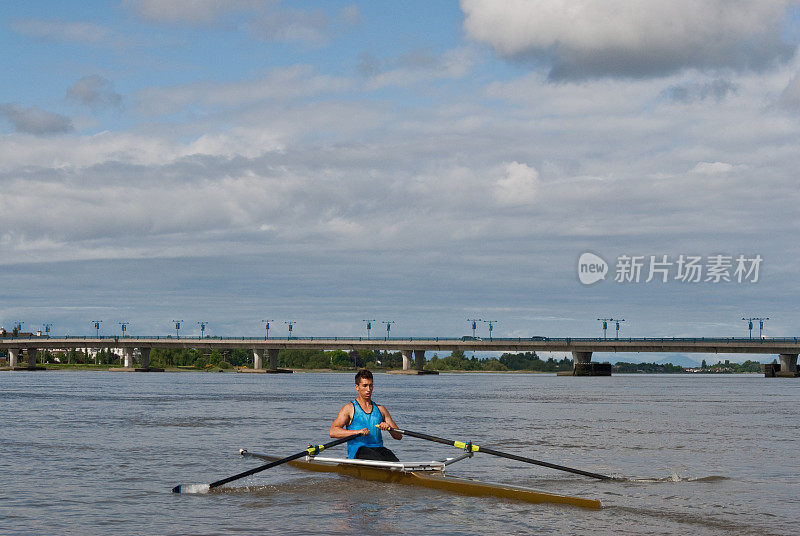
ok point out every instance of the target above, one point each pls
(339, 359)
(215, 358)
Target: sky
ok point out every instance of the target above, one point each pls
(417, 162)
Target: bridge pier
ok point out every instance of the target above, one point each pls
(272, 354)
(127, 357)
(258, 362)
(144, 362)
(13, 356)
(581, 357)
(258, 358)
(583, 366)
(145, 357)
(418, 361)
(406, 359)
(419, 357)
(788, 365)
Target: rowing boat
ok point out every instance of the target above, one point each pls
(427, 475)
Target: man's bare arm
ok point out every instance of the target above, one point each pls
(389, 422)
(344, 418)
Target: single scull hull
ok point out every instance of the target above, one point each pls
(432, 479)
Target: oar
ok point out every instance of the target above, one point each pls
(310, 451)
(475, 448)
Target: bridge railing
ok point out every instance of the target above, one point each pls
(499, 340)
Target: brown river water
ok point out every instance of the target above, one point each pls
(98, 453)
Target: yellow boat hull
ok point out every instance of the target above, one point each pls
(438, 481)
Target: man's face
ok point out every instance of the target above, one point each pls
(364, 388)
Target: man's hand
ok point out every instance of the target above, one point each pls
(364, 431)
(383, 426)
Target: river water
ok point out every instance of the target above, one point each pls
(98, 453)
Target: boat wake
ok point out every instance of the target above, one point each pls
(675, 477)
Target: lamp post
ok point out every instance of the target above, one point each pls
(760, 325)
(369, 326)
(474, 324)
(202, 328)
(266, 324)
(124, 326)
(617, 321)
(290, 323)
(97, 327)
(388, 327)
(47, 329)
(605, 322)
(177, 328)
(491, 326)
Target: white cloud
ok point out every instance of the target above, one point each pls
(519, 187)
(711, 168)
(307, 27)
(71, 32)
(288, 83)
(690, 92)
(190, 12)
(631, 38)
(419, 66)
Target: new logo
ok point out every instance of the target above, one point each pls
(591, 268)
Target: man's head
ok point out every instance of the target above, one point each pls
(363, 373)
(364, 384)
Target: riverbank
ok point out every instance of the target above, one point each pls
(116, 367)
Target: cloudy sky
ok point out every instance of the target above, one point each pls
(425, 163)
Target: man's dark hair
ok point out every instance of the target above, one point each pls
(363, 373)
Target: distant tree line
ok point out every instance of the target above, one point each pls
(725, 367)
(646, 368)
(373, 359)
(299, 359)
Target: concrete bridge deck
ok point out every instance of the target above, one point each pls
(787, 348)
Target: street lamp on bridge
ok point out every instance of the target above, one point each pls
(47, 329)
(202, 328)
(177, 328)
(760, 325)
(617, 321)
(474, 324)
(491, 326)
(369, 326)
(605, 322)
(97, 327)
(290, 323)
(124, 326)
(266, 324)
(388, 327)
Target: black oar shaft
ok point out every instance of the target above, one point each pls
(544, 464)
(476, 448)
(309, 451)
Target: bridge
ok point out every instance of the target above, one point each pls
(413, 348)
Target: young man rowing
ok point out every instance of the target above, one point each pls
(367, 417)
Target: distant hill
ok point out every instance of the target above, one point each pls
(681, 360)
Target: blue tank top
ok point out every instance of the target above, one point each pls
(362, 419)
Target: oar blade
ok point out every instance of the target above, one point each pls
(191, 488)
(310, 451)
